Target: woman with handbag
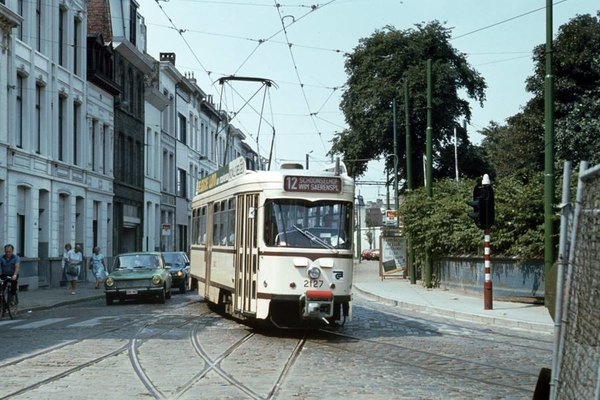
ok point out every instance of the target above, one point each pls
(75, 259)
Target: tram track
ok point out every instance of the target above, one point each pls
(432, 362)
(130, 347)
(473, 332)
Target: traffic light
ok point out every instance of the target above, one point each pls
(483, 204)
(476, 204)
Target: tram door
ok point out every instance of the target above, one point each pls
(208, 253)
(246, 253)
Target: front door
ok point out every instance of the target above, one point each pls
(246, 248)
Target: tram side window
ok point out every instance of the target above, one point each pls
(202, 226)
(230, 222)
(217, 211)
(195, 226)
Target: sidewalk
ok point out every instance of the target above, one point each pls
(367, 282)
(401, 293)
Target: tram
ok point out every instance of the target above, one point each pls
(275, 246)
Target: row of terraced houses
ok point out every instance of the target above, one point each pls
(100, 143)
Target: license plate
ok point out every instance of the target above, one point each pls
(128, 292)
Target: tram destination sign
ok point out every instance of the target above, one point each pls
(316, 184)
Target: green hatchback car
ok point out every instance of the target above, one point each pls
(138, 275)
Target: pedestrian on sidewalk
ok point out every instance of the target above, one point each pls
(73, 267)
(65, 262)
(96, 264)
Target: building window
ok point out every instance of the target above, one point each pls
(76, 33)
(20, 12)
(76, 134)
(95, 148)
(61, 128)
(38, 119)
(105, 152)
(182, 134)
(181, 183)
(133, 23)
(38, 24)
(61, 37)
(19, 121)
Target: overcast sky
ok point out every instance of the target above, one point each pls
(214, 39)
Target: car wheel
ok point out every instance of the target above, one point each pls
(183, 288)
(162, 296)
(169, 293)
(109, 301)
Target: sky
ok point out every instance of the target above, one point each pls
(299, 47)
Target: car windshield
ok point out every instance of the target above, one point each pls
(173, 258)
(137, 261)
(307, 224)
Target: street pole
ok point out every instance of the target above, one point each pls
(428, 260)
(487, 284)
(395, 163)
(411, 259)
(549, 239)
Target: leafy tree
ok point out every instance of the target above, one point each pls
(576, 68)
(376, 71)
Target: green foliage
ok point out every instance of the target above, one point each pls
(377, 70)
(518, 147)
(441, 223)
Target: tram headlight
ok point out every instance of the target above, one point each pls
(314, 272)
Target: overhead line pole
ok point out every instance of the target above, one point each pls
(549, 202)
(410, 256)
(429, 151)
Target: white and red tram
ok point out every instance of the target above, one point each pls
(275, 245)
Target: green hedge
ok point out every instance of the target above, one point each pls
(441, 223)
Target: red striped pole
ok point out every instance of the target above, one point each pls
(487, 284)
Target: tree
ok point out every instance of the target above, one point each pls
(576, 70)
(376, 71)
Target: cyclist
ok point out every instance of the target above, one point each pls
(10, 264)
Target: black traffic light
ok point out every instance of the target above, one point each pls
(483, 204)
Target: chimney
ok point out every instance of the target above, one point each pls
(168, 57)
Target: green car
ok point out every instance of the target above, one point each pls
(138, 275)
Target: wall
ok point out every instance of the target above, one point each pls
(508, 278)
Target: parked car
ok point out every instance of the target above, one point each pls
(138, 275)
(371, 254)
(180, 269)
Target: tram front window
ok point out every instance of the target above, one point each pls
(305, 224)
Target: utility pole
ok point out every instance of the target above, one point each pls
(428, 261)
(395, 163)
(411, 258)
(549, 150)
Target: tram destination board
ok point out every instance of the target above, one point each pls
(294, 183)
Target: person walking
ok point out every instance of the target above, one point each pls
(10, 264)
(65, 262)
(96, 264)
(75, 259)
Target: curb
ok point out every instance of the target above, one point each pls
(427, 309)
(23, 308)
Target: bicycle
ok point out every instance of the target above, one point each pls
(8, 302)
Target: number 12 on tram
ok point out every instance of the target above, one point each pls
(275, 245)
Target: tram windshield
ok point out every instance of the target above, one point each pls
(306, 224)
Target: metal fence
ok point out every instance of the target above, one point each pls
(577, 357)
